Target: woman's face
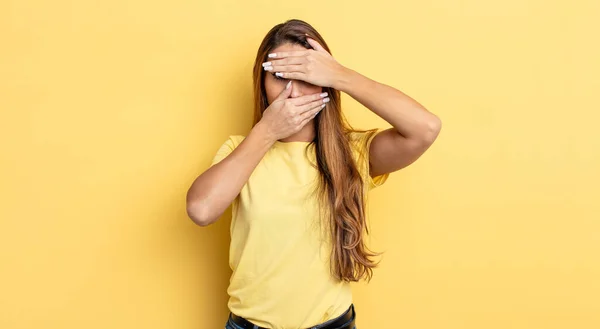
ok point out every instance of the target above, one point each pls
(275, 85)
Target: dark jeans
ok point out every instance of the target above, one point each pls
(351, 325)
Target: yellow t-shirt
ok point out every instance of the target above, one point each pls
(280, 258)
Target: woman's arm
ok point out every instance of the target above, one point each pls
(215, 189)
(415, 128)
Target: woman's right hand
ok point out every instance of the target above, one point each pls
(286, 116)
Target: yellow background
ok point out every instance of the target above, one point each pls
(110, 109)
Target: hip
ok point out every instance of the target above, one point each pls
(346, 320)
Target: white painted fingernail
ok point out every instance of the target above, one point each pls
(288, 85)
(268, 68)
(266, 64)
(323, 105)
(323, 94)
(279, 74)
(325, 100)
(273, 55)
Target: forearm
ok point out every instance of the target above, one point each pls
(406, 115)
(215, 189)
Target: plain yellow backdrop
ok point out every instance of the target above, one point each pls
(110, 109)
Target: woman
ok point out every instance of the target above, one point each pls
(298, 182)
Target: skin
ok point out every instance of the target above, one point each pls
(290, 115)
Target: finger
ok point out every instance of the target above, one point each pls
(312, 105)
(309, 115)
(284, 54)
(286, 68)
(285, 61)
(316, 46)
(292, 75)
(285, 93)
(302, 100)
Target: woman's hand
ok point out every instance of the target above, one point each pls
(286, 116)
(316, 66)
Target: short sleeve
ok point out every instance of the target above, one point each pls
(230, 144)
(361, 141)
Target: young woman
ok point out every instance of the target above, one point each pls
(298, 183)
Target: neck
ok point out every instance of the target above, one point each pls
(306, 134)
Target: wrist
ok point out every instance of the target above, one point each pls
(343, 79)
(262, 132)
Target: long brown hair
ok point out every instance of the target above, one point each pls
(341, 187)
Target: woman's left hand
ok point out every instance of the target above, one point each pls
(315, 66)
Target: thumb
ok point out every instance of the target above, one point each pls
(316, 46)
(286, 92)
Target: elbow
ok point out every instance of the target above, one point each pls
(432, 129)
(425, 135)
(200, 214)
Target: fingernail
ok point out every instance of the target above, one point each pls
(323, 105)
(323, 94)
(288, 85)
(266, 64)
(279, 74)
(325, 100)
(268, 68)
(273, 55)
